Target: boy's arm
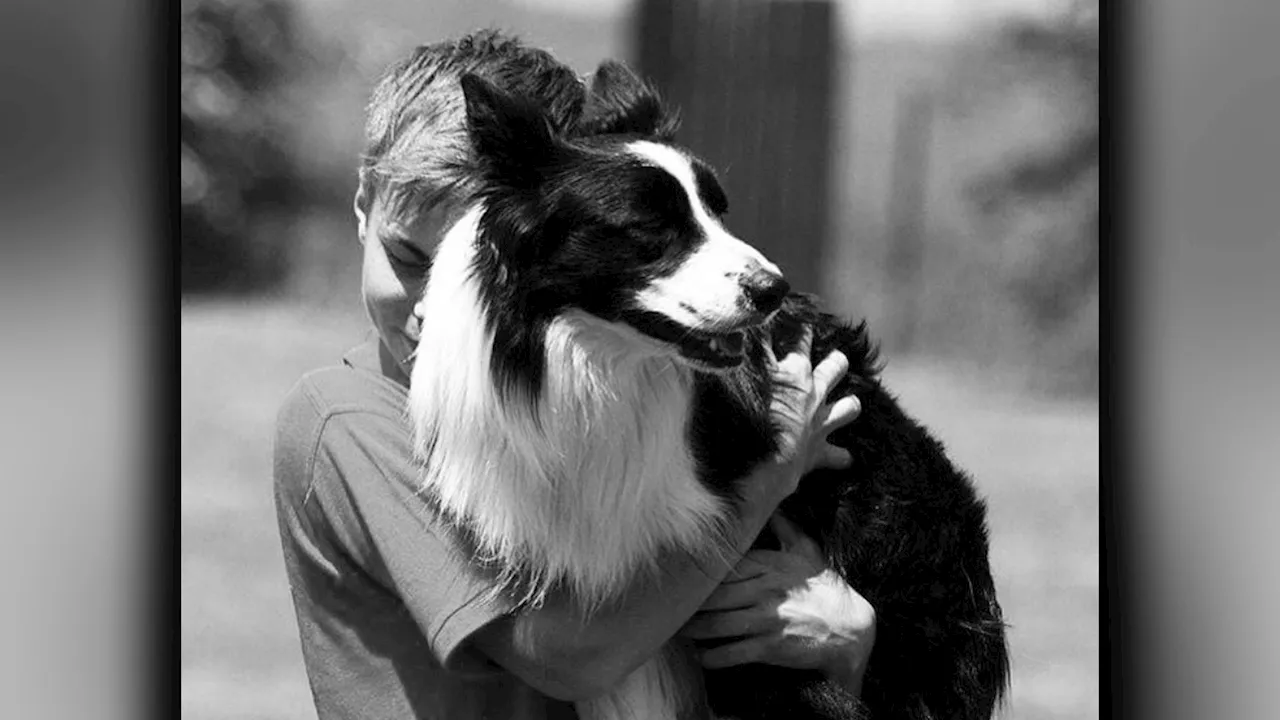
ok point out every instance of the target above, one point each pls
(569, 655)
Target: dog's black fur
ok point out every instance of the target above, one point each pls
(903, 526)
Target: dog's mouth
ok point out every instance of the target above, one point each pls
(705, 348)
(717, 351)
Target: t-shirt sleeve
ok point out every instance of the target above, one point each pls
(363, 484)
(409, 548)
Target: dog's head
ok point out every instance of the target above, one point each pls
(616, 222)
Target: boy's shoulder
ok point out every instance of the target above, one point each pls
(354, 386)
(340, 422)
(354, 395)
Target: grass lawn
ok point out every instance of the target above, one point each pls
(1036, 461)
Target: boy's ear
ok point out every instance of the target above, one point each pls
(621, 103)
(512, 136)
(364, 194)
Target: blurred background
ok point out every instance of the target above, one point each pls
(931, 165)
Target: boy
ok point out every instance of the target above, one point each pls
(395, 619)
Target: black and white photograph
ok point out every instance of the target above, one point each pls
(640, 359)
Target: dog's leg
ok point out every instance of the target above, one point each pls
(668, 687)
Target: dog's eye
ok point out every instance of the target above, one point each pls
(651, 248)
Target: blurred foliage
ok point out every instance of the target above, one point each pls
(1039, 202)
(239, 174)
(272, 105)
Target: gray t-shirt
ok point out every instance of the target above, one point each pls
(385, 598)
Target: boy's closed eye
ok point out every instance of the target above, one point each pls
(405, 253)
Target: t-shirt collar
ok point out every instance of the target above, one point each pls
(371, 356)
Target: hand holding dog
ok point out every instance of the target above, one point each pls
(801, 413)
(788, 608)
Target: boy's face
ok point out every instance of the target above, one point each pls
(397, 257)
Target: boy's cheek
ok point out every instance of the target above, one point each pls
(383, 292)
(389, 312)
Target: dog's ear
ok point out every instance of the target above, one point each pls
(622, 103)
(512, 136)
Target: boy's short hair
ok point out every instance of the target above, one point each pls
(417, 151)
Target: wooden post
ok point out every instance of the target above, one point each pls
(752, 79)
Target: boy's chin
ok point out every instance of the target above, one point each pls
(397, 351)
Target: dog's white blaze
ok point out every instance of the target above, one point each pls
(592, 489)
(707, 287)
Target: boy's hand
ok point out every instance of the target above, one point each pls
(787, 608)
(800, 413)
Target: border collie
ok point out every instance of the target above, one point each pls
(593, 382)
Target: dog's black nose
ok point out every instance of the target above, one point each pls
(766, 290)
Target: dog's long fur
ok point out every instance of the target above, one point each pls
(583, 485)
(561, 429)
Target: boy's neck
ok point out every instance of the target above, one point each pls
(391, 368)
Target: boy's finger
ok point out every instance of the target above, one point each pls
(732, 596)
(834, 458)
(730, 623)
(736, 653)
(842, 412)
(829, 372)
(748, 568)
(770, 359)
(803, 347)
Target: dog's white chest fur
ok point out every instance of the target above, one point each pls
(585, 486)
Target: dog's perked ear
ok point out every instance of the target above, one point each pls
(513, 138)
(621, 103)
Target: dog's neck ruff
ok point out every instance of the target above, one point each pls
(583, 487)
